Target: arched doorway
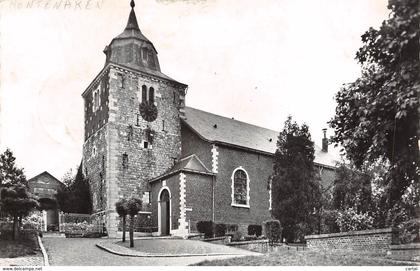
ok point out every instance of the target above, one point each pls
(51, 213)
(165, 212)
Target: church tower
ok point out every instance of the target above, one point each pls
(132, 123)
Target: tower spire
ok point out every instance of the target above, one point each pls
(132, 20)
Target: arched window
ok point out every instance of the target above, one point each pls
(151, 95)
(143, 93)
(240, 188)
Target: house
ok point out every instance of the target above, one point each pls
(45, 187)
(186, 164)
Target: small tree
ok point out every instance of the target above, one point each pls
(296, 188)
(122, 209)
(133, 207)
(352, 189)
(75, 197)
(9, 173)
(16, 202)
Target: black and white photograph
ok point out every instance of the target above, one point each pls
(282, 133)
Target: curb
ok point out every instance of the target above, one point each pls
(161, 255)
(44, 252)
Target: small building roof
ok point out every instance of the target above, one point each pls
(190, 164)
(47, 174)
(219, 129)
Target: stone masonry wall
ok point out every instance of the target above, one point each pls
(95, 154)
(116, 160)
(377, 241)
(128, 131)
(96, 118)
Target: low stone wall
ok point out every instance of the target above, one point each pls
(406, 252)
(376, 241)
(261, 246)
(218, 240)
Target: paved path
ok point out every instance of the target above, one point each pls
(83, 251)
(23, 261)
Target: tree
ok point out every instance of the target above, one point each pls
(295, 185)
(75, 197)
(352, 189)
(133, 207)
(377, 116)
(9, 173)
(16, 202)
(122, 210)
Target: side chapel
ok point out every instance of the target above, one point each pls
(186, 164)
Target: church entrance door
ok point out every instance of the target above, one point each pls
(165, 212)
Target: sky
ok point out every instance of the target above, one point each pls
(256, 61)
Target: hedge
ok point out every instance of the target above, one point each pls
(273, 231)
(206, 227)
(255, 230)
(220, 230)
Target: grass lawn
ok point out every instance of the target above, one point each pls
(306, 258)
(19, 248)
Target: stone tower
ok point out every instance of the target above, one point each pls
(132, 123)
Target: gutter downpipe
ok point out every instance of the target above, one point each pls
(212, 188)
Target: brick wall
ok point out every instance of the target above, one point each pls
(327, 177)
(192, 144)
(258, 167)
(198, 198)
(172, 183)
(377, 241)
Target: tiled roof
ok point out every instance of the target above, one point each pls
(189, 164)
(216, 128)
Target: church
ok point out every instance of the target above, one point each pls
(187, 165)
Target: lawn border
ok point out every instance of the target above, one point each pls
(102, 245)
(44, 252)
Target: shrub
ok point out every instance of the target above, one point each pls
(33, 221)
(206, 227)
(254, 230)
(273, 230)
(231, 228)
(220, 230)
(409, 232)
(83, 229)
(350, 220)
(301, 229)
(237, 236)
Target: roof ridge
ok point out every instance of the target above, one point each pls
(231, 119)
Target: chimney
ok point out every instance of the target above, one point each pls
(325, 141)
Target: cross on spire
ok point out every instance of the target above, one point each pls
(132, 4)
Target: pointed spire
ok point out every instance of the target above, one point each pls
(132, 20)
